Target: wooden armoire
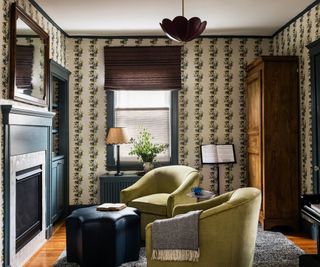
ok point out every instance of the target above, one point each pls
(273, 138)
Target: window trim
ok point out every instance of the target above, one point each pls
(125, 166)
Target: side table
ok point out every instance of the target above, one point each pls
(111, 186)
(205, 195)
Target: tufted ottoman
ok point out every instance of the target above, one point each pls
(103, 238)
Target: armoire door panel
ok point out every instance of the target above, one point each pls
(254, 142)
(273, 138)
(254, 98)
(254, 171)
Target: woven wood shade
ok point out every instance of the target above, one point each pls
(24, 59)
(143, 68)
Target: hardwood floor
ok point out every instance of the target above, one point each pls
(51, 250)
(308, 245)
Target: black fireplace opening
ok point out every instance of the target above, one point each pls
(28, 205)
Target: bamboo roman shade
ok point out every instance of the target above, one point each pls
(143, 68)
(24, 59)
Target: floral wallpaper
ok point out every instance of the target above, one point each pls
(292, 41)
(211, 106)
(212, 101)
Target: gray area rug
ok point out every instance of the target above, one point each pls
(272, 249)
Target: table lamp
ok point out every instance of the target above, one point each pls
(117, 136)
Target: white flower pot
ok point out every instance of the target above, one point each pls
(147, 166)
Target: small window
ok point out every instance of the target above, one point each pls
(143, 109)
(153, 110)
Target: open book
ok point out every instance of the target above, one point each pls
(214, 154)
(111, 206)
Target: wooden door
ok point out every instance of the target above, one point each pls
(254, 128)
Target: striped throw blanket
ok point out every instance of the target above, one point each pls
(177, 238)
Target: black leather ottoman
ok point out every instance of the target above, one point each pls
(103, 238)
(309, 260)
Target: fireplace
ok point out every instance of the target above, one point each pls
(28, 205)
(27, 209)
(26, 185)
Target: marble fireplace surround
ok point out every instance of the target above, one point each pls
(19, 163)
(27, 143)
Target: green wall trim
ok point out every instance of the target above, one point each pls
(6, 196)
(21, 116)
(174, 127)
(24, 136)
(212, 36)
(314, 45)
(24, 119)
(59, 71)
(61, 74)
(296, 17)
(45, 14)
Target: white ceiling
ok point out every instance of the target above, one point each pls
(142, 17)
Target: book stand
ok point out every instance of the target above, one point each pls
(217, 154)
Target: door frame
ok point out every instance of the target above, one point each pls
(58, 72)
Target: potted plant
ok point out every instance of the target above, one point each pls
(145, 150)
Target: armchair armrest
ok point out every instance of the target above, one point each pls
(144, 186)
(203, 205)
(180, 194)
(149, 241)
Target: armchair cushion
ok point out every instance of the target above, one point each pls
(153, 204)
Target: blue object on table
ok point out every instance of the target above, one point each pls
(197, 191)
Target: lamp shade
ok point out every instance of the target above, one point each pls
(117, 135)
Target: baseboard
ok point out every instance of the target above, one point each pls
(49, 231)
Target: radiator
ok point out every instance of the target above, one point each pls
(111, 186)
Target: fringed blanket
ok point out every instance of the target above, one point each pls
(177, 238)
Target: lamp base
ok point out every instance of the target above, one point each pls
(119, 174)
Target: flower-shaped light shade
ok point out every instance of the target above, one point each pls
(180, 29)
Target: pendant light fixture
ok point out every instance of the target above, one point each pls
(180, 29)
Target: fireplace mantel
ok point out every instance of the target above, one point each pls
(22, 116)
(26, 131)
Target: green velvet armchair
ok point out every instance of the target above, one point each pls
(159, 191)
(227, 230)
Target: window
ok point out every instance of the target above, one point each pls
(142, 86)
(153, 110)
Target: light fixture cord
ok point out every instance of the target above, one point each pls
(182, 8)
